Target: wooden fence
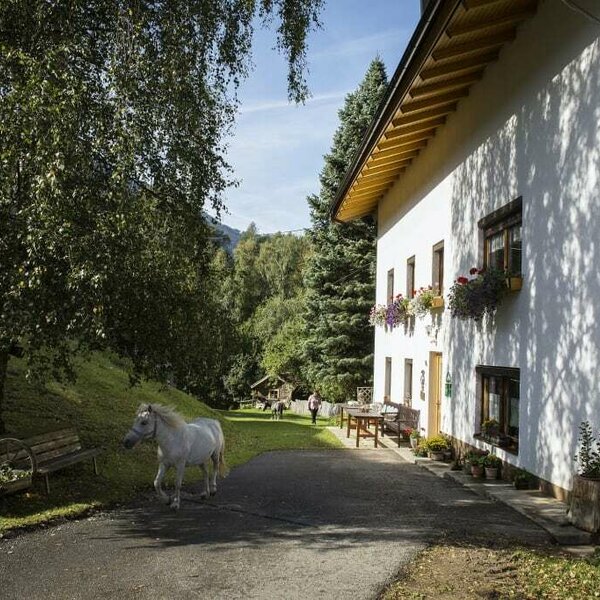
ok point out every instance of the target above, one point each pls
(300, 407)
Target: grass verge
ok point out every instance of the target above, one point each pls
(101, 405)
(446, 572)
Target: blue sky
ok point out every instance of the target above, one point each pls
(277, 148)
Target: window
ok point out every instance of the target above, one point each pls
(502, 238)
(437, 282)
(408, 381)
(390, 286)
(410, 277)
(387, 391)
(500, 402)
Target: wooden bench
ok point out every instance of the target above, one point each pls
(54, 451)
(398, 417)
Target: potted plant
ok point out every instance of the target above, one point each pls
(436, 446)
(17, 466)
(523, 480)
(414, 437)
(477, 466)
(491, 464)
(421, 449)
(584, 509)
(472, 298)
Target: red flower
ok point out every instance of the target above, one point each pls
(474, 271)
(462, 280)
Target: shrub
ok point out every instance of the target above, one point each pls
(415, 433)
(491, 461)
(490, 427)
(437, 443)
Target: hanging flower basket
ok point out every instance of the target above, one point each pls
(395, 313)
(422, 301)
(472, 298)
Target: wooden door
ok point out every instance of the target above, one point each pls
(435, 393)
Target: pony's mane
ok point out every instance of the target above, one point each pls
(166, 413)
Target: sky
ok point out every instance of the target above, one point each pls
(276, 148)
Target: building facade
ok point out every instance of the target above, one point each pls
(510, 178)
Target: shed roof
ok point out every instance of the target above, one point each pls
(257, 383)
(452, 45)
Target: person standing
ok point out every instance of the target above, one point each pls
(314, 403)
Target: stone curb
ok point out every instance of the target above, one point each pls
(547, 512)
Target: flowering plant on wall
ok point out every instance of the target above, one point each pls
(395, 313)
(472, 297)
(378, 314)
(423, 301)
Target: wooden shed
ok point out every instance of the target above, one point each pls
(273, 388)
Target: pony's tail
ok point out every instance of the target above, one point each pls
(223, 469)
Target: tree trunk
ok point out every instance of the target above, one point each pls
(3, 366)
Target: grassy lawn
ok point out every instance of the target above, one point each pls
(449, 571)
(101, 406)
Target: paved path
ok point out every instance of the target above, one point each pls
(293, 525)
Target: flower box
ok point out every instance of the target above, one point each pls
(11, 487)
(514, 284)
(437, 302)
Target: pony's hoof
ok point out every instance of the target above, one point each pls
(213, 492)
(203, 496)
(174, 505)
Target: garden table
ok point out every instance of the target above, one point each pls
(362, 419)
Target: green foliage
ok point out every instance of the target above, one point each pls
(437, 443)
(588, 457)
(267, 303)
(341, 271)
(492, 461)
(112, 122)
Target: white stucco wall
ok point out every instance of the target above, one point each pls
(530, 128)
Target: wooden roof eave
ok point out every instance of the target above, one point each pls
(452, 45)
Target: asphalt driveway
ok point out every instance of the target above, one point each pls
(294, 525)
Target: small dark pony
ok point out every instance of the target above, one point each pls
(277, 409)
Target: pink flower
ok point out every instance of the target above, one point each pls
(462, 280)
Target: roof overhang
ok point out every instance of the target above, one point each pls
(452, 45)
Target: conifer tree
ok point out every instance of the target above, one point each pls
(340, 276)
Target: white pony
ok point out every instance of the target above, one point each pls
(180, 444)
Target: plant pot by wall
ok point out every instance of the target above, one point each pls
(491, 473)
(436, 455)
(584, 509)
(477, 471)
(414, 442)
(467, 467)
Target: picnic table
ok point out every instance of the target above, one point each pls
(362, 419)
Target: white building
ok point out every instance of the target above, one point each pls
(490, 135)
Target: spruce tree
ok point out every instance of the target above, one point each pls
(340, 276)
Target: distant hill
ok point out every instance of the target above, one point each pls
(230, 236)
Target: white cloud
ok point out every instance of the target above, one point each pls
(361, 45)
(277, 104)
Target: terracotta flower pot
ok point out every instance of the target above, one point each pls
(491, 472)
(477, 471)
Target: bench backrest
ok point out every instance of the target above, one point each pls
(56, 443)
(405, 414)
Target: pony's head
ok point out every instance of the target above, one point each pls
(144, 426)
